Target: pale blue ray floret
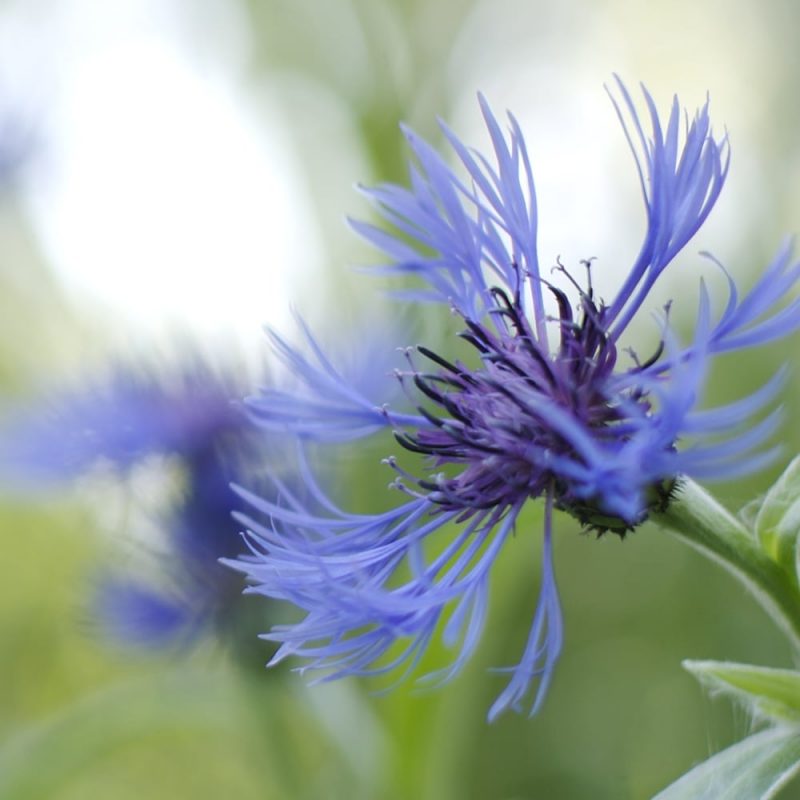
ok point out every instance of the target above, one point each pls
(544, 410)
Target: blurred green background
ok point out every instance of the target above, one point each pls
(323, 85)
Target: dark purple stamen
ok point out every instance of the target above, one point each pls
(492, 420)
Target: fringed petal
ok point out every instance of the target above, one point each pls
(680, 186)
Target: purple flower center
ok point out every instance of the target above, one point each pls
(512, 422)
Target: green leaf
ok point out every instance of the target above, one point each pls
(777, 523)
(774, 693)
(753, 769)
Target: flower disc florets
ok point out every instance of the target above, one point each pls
(496, 421)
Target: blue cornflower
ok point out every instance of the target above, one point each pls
(545, 407)
(186, 415)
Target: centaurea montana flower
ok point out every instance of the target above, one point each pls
(546, 410)
(185, 414)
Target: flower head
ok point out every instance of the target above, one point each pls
(185, 415)
(543, 407)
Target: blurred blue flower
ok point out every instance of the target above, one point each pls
(187, 412)
(18, 146)
(541, 407)
(23, 144)
(131, 412)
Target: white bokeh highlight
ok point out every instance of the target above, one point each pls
(168, 196)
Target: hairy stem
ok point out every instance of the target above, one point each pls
(698, 519)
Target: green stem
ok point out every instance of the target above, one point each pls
(698, 519)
